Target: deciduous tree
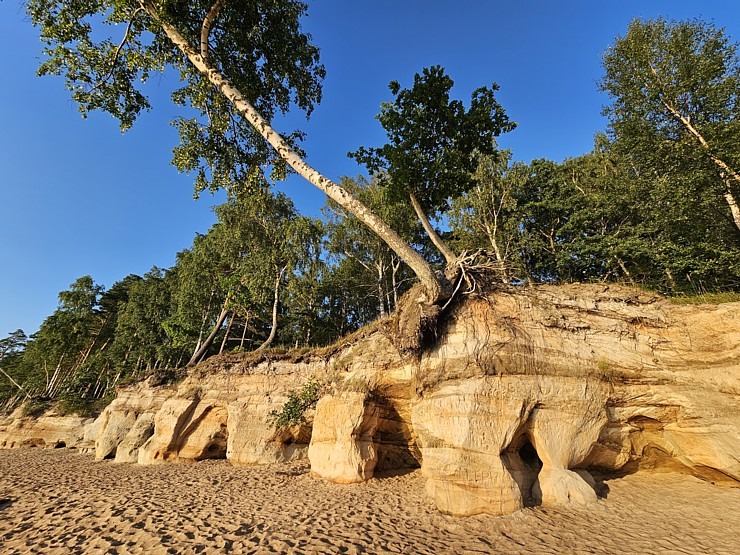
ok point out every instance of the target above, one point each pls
(240, 62)
(434, 145)
(675, 89)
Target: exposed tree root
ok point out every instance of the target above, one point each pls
(417, 322)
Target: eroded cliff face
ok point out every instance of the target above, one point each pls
(525, 395)
(527, 392)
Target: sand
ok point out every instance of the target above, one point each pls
(60, 501)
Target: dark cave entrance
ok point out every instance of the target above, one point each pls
(524, 465)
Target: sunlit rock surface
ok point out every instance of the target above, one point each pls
(526, 395)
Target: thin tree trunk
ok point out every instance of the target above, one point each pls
(381, 294)
(200, 353)
(732, 203)
(51, 385)
(381, 303)
(491, 233)
(395, 266)
(205, 30)
(275, 306)
(128, 352)
(442, 247)
(203, 323)
(244, 331)
(419, 266)
(671, 281)
(226, 335)
(92, 345)
(625, 270)
(493, 238)
(15, 383)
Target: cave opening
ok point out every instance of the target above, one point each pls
(524, 464)
(529, 456)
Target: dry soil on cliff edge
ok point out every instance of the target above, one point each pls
(63, 502)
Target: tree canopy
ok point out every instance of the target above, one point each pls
(434, 144)
(239, 62)
(107, 51)
(675, 89)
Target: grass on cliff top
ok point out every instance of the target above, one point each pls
(216, 363)
(706, 298)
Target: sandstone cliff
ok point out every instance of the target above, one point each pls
(526, 394)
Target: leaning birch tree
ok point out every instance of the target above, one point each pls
(240, 62)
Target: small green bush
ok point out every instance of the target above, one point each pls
(294, 409)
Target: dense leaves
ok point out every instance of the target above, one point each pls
(675, 89)
(107, 50)
(435, 143)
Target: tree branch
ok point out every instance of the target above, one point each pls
(15, 383)
(205, 30)
(118, 50)
(726, 173)
(433, 290)
(442, 247)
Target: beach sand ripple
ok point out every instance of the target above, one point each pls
(59, 501)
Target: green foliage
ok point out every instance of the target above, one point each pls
(674, 117)
(142, 342)
(487, 217)
(646, 206)
(108, 50)
(689, 65)
(675, 111)
(293, 411)
(12, 373)
(434, 143)
(36, 407)
(368, 268)
(259, 243)
(71, 403)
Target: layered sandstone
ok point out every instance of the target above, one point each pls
(49, 430)
(524, 396)
(344, 445)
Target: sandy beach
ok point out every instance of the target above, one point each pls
(60, 501)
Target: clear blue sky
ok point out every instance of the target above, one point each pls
(77, 197)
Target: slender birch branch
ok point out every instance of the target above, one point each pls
(436, 239)
(15, 383)
(205, 30)
(726, 172)
(117, 53)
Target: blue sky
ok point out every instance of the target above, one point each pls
(77, 197)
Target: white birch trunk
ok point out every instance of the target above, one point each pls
(275, 306)
(442, 247)
(418, 265)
